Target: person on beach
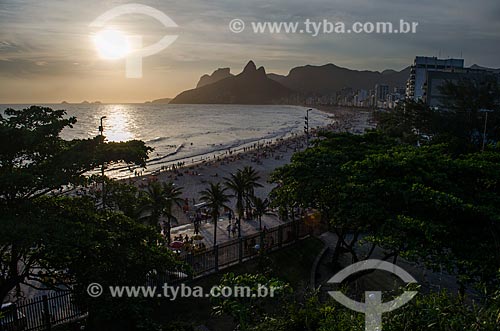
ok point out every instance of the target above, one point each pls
(197, 222)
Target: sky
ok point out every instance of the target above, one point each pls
(47, 53)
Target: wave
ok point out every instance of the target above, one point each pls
(124, 168)
(235, 145)
(177, 149)
(157, 139)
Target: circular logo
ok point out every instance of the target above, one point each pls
(237, 25)
(94, 290)
(373, 307)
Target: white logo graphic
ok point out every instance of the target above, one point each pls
(237, 25)
(112, 44)
(94, 290)
(373, 307)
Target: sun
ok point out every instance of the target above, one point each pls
(111, 44)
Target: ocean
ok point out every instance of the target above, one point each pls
(186, 133)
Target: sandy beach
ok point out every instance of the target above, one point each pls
(264, 158)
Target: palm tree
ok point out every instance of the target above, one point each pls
(237, 183)
(261, 208)
(160, 199)
(251, 179)
(172, 197)
(216, 198)
(153, 206)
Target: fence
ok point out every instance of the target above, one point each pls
(48, 311)
(41, 313)
(238, 250)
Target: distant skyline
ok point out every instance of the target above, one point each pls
(47, 55)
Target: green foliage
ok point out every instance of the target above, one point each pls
(37, 160)
(238, 184)
(70, 242)
(126, 198)
(159, 200)
(216, 198)
(424, 204)
(468, 95)
(458, 121)
(243, 184)
(178, 326)
(313, 177)
(56, 241)
(411, 122)
(261, 208)
(434, 312)
(248, 308)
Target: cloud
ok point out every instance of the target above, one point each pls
(39, 39)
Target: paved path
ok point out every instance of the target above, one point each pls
(207, 229)
(429, 280)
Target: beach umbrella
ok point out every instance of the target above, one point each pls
(176, 244)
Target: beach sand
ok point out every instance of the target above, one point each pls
(264, 159)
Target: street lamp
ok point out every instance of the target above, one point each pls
(101, 132)
(101, 127)
(306, 127)
(239, 227)
(486, 111)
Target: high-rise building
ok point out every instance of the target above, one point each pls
(381, 92)
(415, 87)
(400, 90)
(428, 74)
(362, 95)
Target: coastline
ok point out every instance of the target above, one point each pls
(264, 158)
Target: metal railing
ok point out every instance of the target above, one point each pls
(213, 259)
(41, 313)
(48, 311)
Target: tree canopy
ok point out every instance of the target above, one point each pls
(53, 240)
(422, 203)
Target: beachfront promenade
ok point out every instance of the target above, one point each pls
(248, 227)
(264, 160)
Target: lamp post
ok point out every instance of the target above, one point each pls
(486, 111)
(306, 127)
(239, 227)
(101, 132)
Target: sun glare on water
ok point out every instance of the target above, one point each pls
(111, 44)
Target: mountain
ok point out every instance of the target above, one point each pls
(329, 78)
(254, 86)
(217, 75)
(476, 67)
(161, 101)
(251, 86)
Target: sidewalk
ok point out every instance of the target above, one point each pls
(248, 227)
(428, 279)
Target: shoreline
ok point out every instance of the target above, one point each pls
(264, 158)
(160, 164)
(343, 120)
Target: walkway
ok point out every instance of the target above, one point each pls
(429, 280)
(248, 227)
